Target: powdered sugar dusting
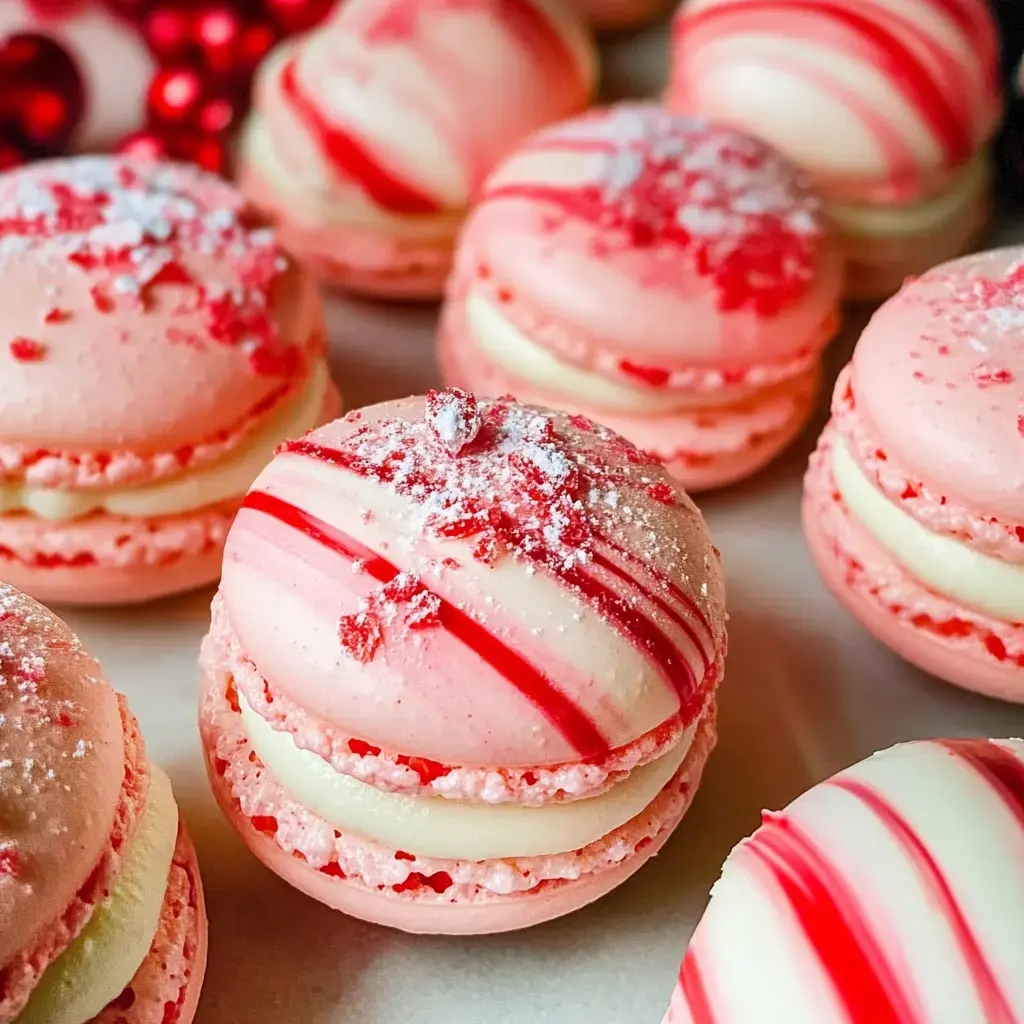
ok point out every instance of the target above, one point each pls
(741, 212)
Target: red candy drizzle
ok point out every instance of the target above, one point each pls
(734, 205)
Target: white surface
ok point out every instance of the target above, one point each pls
(806, 692)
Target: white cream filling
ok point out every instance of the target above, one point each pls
(450, 829)
(95, 969)
(505, 345)
(941, 563)
(228, 478)
(923, 217)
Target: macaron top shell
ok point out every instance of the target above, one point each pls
(144, 319)
(537, 593)
(938, 381)
(400, 108)
(660, 241)
(62, 767)
(880, 101)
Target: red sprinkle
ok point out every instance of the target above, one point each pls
(11, 862)
(360, 635)
(453, 418)
(648, 374)
(25, 350)
(663, 493)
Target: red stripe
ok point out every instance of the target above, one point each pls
(352, 158)
(644, 635)
(891, 57)
(999, 767)
(578, 729)
(833, 923)
(692, 984)
(997, 1009)
(676, 592)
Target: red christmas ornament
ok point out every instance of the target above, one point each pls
(175, 97)
(258, 39)
(298, 15)
(131, 10)
(218, 33)
(169, 32)
(41, 95)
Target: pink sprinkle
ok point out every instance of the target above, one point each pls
(25, 350)
(453, 417)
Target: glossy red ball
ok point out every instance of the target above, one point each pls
(169, 31)
(42, 94)
(175, 97)
(298, 15)
(218, 34)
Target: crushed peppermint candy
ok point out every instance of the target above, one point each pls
(132, 227)
(404, 599)
(27, 350)
(454, 417)
(744, 215)
(11, 860)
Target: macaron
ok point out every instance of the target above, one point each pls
(891, 892)
(156, 349)
(914, 500)
(891, 106)
(669, 278)
(101, 902)
(462, 669)
(371, 136)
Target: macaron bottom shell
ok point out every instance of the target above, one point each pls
(703, 449)
(929, 631)
(878, 261)
(421, 909)
(166, 987)
(356, 259)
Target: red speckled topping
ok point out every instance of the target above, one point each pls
(143, 313)
(939, 376)
(657, 181)
(62, 772)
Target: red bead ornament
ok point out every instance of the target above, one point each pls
(175, 97)
(218, 33)
(41, 95)
(298, 15)
(258, 39)
(169, 32)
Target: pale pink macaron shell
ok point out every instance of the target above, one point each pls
(300, 654)
(166, 987)
(895, 608)
(122, 384)
(938, 375)
(423, 911)
(63, 834)
(558, 225)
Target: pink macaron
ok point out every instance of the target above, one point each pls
(890, 106)
(101, 905)
(371, 136)
(461, 675)
(157, 348)
(914, 500)
(890, 892)
(666, 277)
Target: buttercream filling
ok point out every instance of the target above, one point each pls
(947, 566)
(96, 968)
(915, 218)
(446, 829)
(228, 478)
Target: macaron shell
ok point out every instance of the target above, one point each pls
(166, 988)
(285, 589)
(127, 377)
(360, 259)
(579, 227)
(937, 376)
(436, 915)
(62, 832)
(837, 544)
(702, 449)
